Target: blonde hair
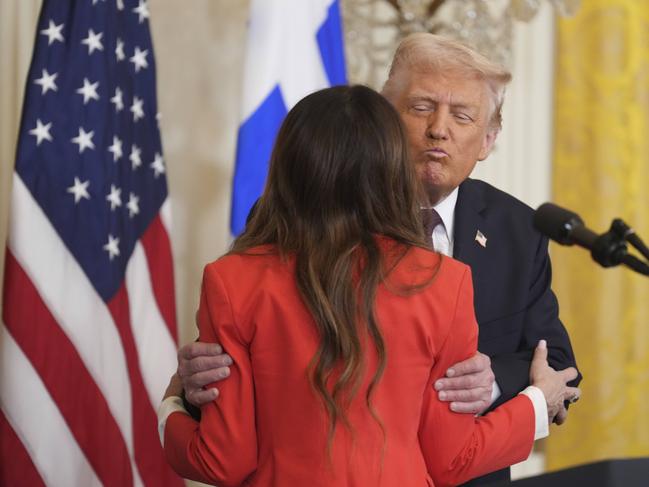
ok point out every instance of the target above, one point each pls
(429, 53)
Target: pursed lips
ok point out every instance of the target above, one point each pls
(436, 152)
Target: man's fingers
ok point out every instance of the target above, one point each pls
(187, 368)
(478, 363)
(465, 382)
(198, 349)
(568, 374)
(201, 379)
(198, 397)
(469, 407)
(467, 396)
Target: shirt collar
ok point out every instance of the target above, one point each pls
(446, 211)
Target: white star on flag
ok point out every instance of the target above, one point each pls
(84, 140)
(53, 33)
(115, 197)
(133, 205)
(117, 100)
(120, 4)
(134, 157)
(89, 90)
(93, 41)
(79, 190)
(46, 82)
(142, 10)
(41, 132)
(139, 59)
(112, 247)
(116, 148)
(136, 108)
(119, 50)
(158, 165)
(480, 238)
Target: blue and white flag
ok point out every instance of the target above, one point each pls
(294, 48)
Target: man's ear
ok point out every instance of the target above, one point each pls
(488, 143)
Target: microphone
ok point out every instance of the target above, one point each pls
(567, 228)
(563, 226)
(608, 249)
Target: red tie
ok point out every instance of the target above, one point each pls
(430, 219)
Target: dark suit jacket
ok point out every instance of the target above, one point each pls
(515, 306)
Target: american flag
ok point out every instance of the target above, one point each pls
(88, 333)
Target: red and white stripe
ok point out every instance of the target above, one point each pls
(79, 379)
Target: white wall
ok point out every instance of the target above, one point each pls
(521, 161)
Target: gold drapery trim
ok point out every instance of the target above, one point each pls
(601, 170)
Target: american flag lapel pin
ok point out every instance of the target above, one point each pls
(480, 238)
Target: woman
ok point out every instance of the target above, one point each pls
(339, 319)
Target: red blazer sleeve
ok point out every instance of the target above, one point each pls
(458, 447)
(222, 448)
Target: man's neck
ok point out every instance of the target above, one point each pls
(433, 198)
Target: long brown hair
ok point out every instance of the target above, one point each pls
(339, 177)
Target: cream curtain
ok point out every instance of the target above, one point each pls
(601, 170)
(17, 25)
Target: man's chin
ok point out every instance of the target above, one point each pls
(432, 175)
(434, 191)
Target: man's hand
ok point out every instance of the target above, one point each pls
(200, 364)
(468, 385)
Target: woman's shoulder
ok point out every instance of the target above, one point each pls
(419, 260)
(252, 265)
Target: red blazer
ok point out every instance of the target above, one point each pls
(269, 428)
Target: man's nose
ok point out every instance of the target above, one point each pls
(437, 125)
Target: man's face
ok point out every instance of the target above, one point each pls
(447, 122)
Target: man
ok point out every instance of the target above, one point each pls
(450, 98)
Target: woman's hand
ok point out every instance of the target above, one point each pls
(175, 387)
(551, 382)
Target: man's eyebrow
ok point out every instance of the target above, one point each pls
(464, 106)
(459, 104)
(422, 97)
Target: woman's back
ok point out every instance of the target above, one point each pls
(269, 426)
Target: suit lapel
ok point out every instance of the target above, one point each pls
(469, 219)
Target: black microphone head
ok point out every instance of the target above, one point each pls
(556, 223)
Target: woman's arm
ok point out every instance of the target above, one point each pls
(458, 447)
(222, 448)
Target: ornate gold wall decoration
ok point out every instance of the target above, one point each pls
(373, 28)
